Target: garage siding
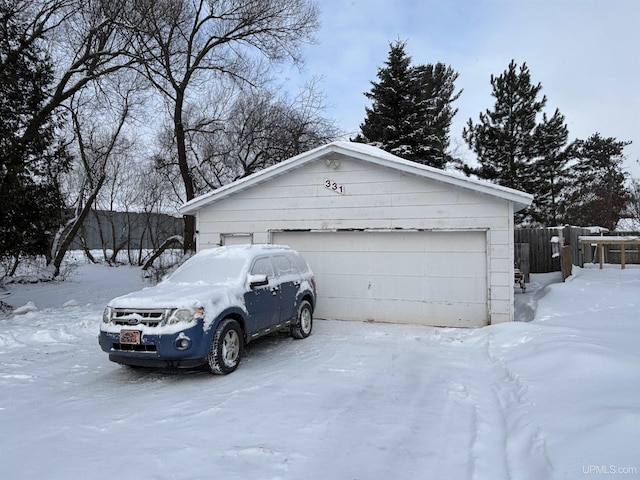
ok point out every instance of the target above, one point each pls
(374, 198)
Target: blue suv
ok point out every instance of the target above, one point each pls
(210, 307)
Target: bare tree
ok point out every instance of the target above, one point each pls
(100, 141)
(153, 198)
(261, 130)
(188, 50)
(186, 45)
(86, 44)
(111, 206)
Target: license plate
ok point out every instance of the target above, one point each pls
(130, 337)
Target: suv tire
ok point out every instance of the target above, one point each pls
(225, 352)
(304, 323)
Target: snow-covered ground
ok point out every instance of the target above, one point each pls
(557, 397)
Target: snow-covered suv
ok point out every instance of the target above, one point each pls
(210, 307)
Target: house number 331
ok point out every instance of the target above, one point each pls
(336, 187)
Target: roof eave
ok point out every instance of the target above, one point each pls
(521, 200)
(257, 178)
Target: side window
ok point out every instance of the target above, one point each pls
(284, 266)
(300, 262)
(262, 266)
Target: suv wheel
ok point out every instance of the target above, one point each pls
(304, 324)
(226, 348)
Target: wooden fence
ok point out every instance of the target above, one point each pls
(566, 262)
(544, 252)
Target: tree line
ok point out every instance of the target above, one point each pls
(517, 144)
(141, 105)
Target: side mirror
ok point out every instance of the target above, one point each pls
(257, 281)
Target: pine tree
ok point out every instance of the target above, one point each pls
(386, 123)
(504, 139)
(411, 110)
(597, 194)
(30, 201)
(515, 150)
(550, 174)
(435, 85)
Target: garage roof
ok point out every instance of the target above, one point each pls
(366, 153)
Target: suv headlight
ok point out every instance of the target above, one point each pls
(186, 315)
(106, 315)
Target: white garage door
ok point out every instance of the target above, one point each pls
(430, 278)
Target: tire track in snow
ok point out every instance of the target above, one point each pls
(457, 432)
(505, 429)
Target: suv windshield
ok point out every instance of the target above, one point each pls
(209, 269)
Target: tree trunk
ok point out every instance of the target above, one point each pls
(185, 172)
(167, 243)
(14, 267)
(67, 238)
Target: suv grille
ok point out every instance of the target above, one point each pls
(150, 318)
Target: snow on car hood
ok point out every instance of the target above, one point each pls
(213, 297)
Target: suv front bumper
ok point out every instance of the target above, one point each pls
(186, 347)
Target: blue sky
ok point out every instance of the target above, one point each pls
(585, 53)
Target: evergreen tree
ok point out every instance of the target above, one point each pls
(597, 194)
(386, 123)
(411, 110)
(550, 174)
(30, 201)
(435, 93)
(504, 139)
(514, 149)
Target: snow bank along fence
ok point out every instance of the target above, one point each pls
(546, 248)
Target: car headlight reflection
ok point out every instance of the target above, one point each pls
(106, 315)
(186, 315)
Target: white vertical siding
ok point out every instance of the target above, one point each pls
(372, 198)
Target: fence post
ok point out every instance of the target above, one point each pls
(521, 258)
(566, 261)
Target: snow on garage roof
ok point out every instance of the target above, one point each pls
(366, 153)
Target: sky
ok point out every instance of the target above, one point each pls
(585, 53)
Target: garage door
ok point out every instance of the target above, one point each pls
(430, 278)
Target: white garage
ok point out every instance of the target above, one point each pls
(404, 277)
(388, 239)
